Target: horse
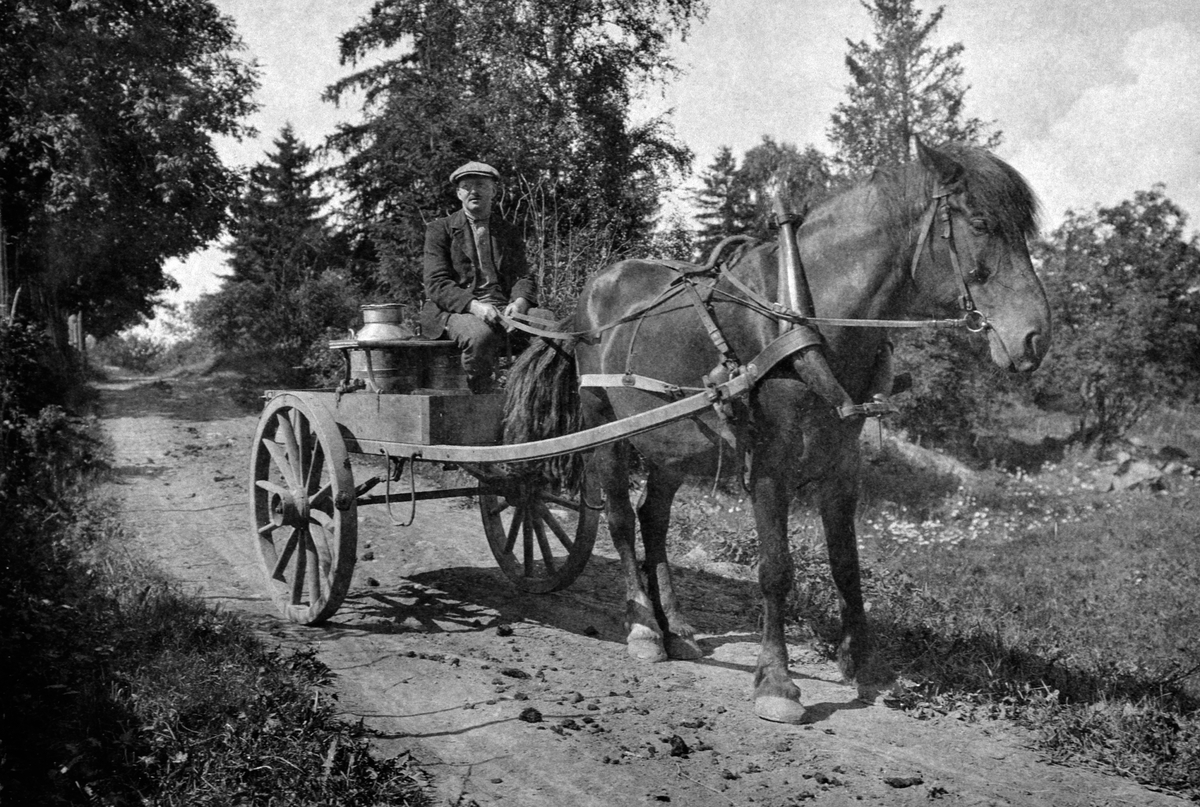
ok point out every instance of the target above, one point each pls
(871, 252)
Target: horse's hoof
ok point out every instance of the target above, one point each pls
(683, 648)
(779, 709)
(650, 650)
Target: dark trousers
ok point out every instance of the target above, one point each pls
(480, 343)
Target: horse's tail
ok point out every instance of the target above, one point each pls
(541, 400)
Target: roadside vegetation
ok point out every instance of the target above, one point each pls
(121, 690)
(1036, 596)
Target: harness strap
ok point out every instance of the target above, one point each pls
(728, 357)
(634, 381)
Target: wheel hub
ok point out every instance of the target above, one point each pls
(289, 509)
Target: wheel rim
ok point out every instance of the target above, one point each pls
(541, 539)
(303, 509)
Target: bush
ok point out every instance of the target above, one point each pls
(140, 353)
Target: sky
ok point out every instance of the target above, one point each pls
(1096, 99)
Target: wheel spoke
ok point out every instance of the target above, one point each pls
(543, 544)
(271, 487)
(279, 455)
(285, 557)
(527, 539)
(561, 501)
(518, 517)
(501, 506)
(558, 529)
(316, 467)
(318, 498)
(288, 434)
(300, 573)
(268, 528)
(314, 572)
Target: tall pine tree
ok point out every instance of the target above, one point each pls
(287, 290)
(280, 236)
(902, 87)
(724, 202)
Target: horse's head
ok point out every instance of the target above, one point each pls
(972, 252)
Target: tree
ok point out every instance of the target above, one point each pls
(538, 88)
(805, 174)
(107, 166)
(901, 88)
(287, 289)
(1124, 282)
(724, 202)
(280, 236)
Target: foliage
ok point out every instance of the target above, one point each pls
(28, 381)
(1124, 282)
(287, 292)
(541, 90)
(902, 87)
(948, 404)
(805, 175)
(119, 690)
(138, 352)
(740, 200)
(106, 124)
(1019, 597)
(723, 200)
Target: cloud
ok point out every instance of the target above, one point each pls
(1120, 137)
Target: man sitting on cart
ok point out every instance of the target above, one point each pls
(475, 269)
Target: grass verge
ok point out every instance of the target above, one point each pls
(123, 691)
(1030, 598)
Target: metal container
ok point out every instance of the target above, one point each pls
(383, 322)
(390, 357)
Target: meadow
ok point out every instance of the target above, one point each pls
(1033, 593)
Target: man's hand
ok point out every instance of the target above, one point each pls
(485, 311)
(517, 306)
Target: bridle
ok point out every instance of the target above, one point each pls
(938, 209)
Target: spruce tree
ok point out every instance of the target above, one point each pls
(902, 87)
(724, 202)
(288, 291)
(280, 236)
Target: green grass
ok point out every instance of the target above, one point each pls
(1027, 597)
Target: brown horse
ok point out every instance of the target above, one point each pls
(945, 233)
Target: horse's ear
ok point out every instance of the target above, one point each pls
(947, 169)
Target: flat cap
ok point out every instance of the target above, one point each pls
(474, 169)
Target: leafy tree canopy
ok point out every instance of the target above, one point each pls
(541, 89)
(902, 87)
(107, 113)
(1124, 282)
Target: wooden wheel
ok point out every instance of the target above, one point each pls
(542, 540)
(303, 509)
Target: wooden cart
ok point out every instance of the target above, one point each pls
(304, 498)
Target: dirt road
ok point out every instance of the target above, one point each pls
(512, 699)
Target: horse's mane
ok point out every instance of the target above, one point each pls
(993, 188)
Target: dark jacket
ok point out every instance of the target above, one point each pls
(452, 264)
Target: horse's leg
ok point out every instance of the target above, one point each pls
(654, 514)
(644, 640)
(837, 499)
(776, 697)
